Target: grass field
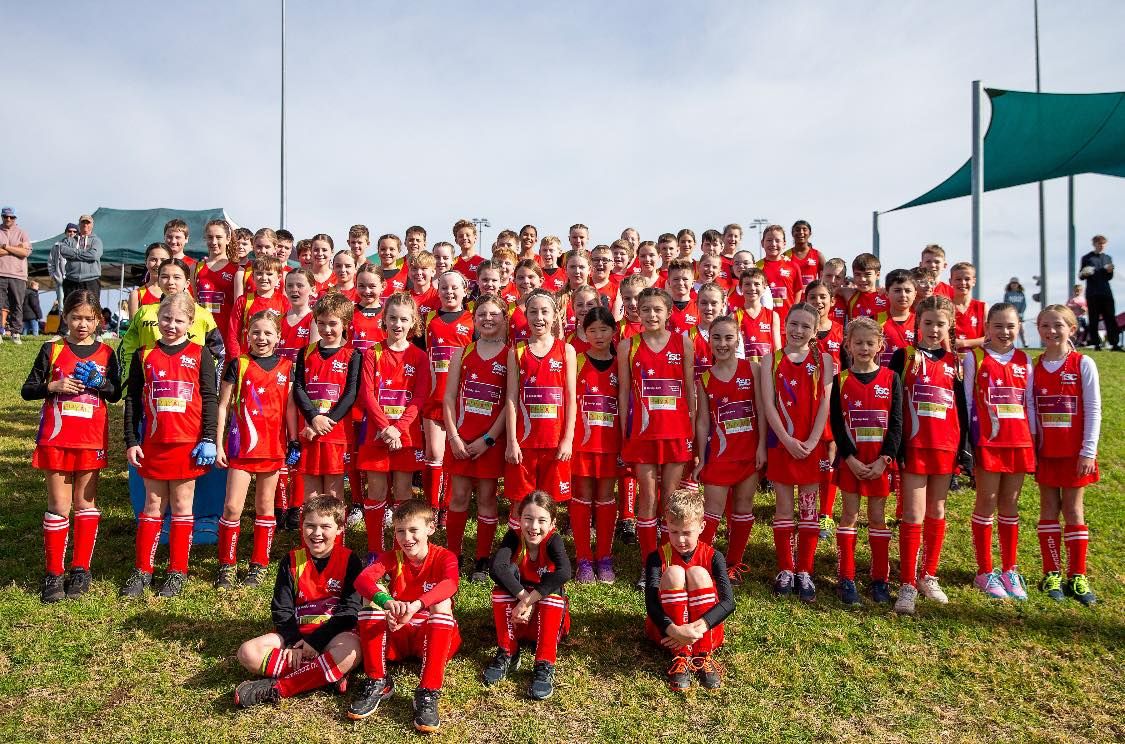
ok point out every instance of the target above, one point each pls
(106, 670)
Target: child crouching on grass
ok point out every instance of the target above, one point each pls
(314, 610)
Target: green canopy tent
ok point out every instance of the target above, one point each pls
(1033, 137)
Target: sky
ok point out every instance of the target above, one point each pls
(657, 115)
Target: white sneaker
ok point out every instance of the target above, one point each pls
(16, 339)
(907, 596)
(929, 588)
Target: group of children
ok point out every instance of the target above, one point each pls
(645, 390)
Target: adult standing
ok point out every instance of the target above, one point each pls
(1097, 270)
(56, 264)
(1014, 296)
(15, 247)
(83, 254)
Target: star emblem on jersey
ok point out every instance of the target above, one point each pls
(161, 373)
(652, 371)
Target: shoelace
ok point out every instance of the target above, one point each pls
(738, 571)
(708, 663)
(1081, 584)
(681, 665)
(993, 581)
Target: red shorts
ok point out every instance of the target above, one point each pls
(875, 488)
(325, 458)
(928, 461)
(540, 470)
(1062, 472)
(595, 465)
(375, 456)
(727, 474)
(782, 467)
(431, 410)
(170, 462)
(656, 451)
(410, 642)
(489, 466)
(67, 460)
(529, 632)
(257, 464)
(1006, 459)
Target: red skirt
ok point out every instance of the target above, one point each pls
(1062, 472)
(874, 488)
(927, 461)
(256, 464)
(325, 458)
(656, 451)
(727, 474)
(489, 466)
(168, 462)
(595, 465)
(541, 470)
(375, 457)
(1006, 459)
(782, 467)
(67, 460)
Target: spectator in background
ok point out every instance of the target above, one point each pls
(1077, 305)
(56, 264)
(1014, 296)
(83, 254)
(32, 312)
(1097, 270)
(15, 247)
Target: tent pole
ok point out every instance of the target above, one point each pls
(120, 294)
(1071, 244)
(281, 222)
(977, 180)
(1042, 218)
(875, 233)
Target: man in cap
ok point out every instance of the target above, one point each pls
(83, 254)
(56, 264)
(15, 247)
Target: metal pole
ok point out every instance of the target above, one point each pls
(1042, 219)
(281, 221)
(977, 179)
(875, 233)
(120, 293)
(1071, 244)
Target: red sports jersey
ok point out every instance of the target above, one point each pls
(831, 343)
(929, 401)
(532, 569)
(734, 431)
(798, 387)
(539, 414)
(145, 296)
(626, 329)
(757, 332)
(682, 319)
(897, 334)
(1059, 407)
(258, 411)
(784, 280)
(214, 290)
(407, 582)
(702, 557)
(427, 301)
(866, 409)
(244, 309)
(173, 401)
(517, 324)
(554, 280)
(839, 311)
(970, 324)
(701, 344)
(580, 345)
(596, 394)
(351, 293)
(320, 287)
(396, 282)
(324, 383)
(317, 593)
(509, 294)
(943, 290)
(443, 339)
(483, 387)
(367, 328)
(395, 385)
(80, 420)
(658, 399)
(294, 336)
(869, 305)
(998, 400)
(808, 266)
(570, 320)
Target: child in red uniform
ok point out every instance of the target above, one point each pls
(411, 616)
(1067, 408)
(554, 275)
(933, 443)
(630, 323)
(150, 293)
(213, 277)
(604, 280)
(475, 391)
(443, 257)
(709, 270)
(809, 261)
(581, 301)
(648, 264)
(314, 610)
(448, 330)
(622, 251)
(795, 393)
(835, 275)
(359, 242)
(76, 378)
(489, 278)
(529, 237)
(529, 603)
(898, 328)
(680, 286)
(176, 238)
(742, 262)
(711, 302)
(998, 389)
(395, 272)
(465, 236)
(577, 265)
(783, 277)
(867, 427)
(540, 408)
(688, 595)
(933, 259)
(528, 277)
(969, 331)
(265, 297)
(297, 332)
(597, 450)
(656, 371)
(925, 280)
(169, 438)
(264, 243)
(729, 429)
(343, 266)
(325, 384)
(829, 339)
(256, 392)
(320, 264)
(761, 326)
(866, 300)
(394, 386)
(422, 290)
(628, 326)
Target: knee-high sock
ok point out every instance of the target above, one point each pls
(55, 532)
(264, 527)
(440, 628)
(782, 544)
(933, 537)
(710, 527)
(373, 641)
(486, 533)
(281, 493)
(148, 533)
(982, 542)
(86, 523)
(228, 541)
(549, 613)
(808, 533)
(179, 542)
(605, 519)
(880, 540)
(319, 672)
(827, 492)
(1077, 538)
(909, 542)
(675, 604)
(373, 512)
(1050, 537)
(502, 604)
(514, 517)
(274, 665)
(580, 518)
(845, 552)
(741, 523)
(434, 483)
(646, 537)
(627, 495)
(296, 489)
(699, 602)
(1009, 529)
(355, 480)
(455, 529)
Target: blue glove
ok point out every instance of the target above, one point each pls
(204, 453)
(82, 372)
(94, 379)
(293, 454)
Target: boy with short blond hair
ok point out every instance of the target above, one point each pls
(554, 276)
(422, 266)
(264, 297)
(176, 235)
(359, 242)
(668, 248)
(415, 240)
(933, 258)
(508, 240)
(680, 286)
(968, 327)
(867, 300)
(465, 236)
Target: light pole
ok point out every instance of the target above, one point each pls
(481, 223)
(758, 223)
(281, 220)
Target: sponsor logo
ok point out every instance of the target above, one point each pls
(555, 365)
(674, 358)
(743, 383)
(408, 370)
(187, 363)
(1068, 377)
(338, 366)
(499, 369)
(882, 392)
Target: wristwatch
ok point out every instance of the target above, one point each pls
(488, 440)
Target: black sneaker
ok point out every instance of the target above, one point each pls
(255, 691)
(542, 681)
(641, 581)
(627, 531)
(480, 571)
(425, 710)
(255, 576)
(136, 584)
(279, 518)
(227, 578)
(173, 585)
(54, 589)
(709, 671)
(371, 693)
(679, 674)
(78, 583)
(881, 592)
(806, 589)
(847, 593)
(292, 518)
(1078, 586)
(502, 664)
(783, 584)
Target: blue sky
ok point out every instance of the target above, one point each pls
(656, 115)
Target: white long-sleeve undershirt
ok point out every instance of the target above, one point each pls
(1091, 403)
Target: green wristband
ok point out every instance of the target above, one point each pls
(380, 599)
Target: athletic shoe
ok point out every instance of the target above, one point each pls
(737, 573)
(370, 694)
(1014, 584)
(827, 525)
(501, 665)
(989, 583)
(54, 589)
(227, 578)
(880, 592)
(783, 584)
(256, 692)
(585, 572)
(709, 671)
(1052, 584)
(679, 674)
(136, 584)
(425, 710)
(355, 516)
(255, 576)
(627, 531)
(78, 583)
(480, 571)
(641, 583)
(929, 588)
(279, 519)
(603, 568)
(1078, 586)
(16, 339)
(542, 681)
(847, 592)
(293, 518)
(806, 589)
(907, 597)
(173, 585)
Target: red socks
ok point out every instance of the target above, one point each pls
(580, 518)
(646, 537)
(827, 492)
(455, 529)
(486, 533)
(1077, 538)
(549, 614)
(440, 630)
(1009, 529)
(710, 527)
(933, 536)
(273, 666)
(738, 537)
(434, 483)
(982, 542)
(627, 494)
(373, 641)
(845, 551)
(264, 526)
(296, 491)
(1050, 539)
(699, 602)
(502, 604)
(228, 541)
(808, 533)
(605, 520)
(782, 543)
(909, 542)
(880, 540)
(148, 533)
(281, 493)
(86, 523)
(319, 672)
(55, 531)
(179, 542)
(675, 604)
(373, 512)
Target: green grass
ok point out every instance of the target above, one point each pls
(106, 670)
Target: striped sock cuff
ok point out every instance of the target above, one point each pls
(982, 520)
(879, 533)
(741, 517)
(441, 618)
(488, 520)
(783, 524)
(646, 522)
(845, 530)
(1007, 520)
(231, 523)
